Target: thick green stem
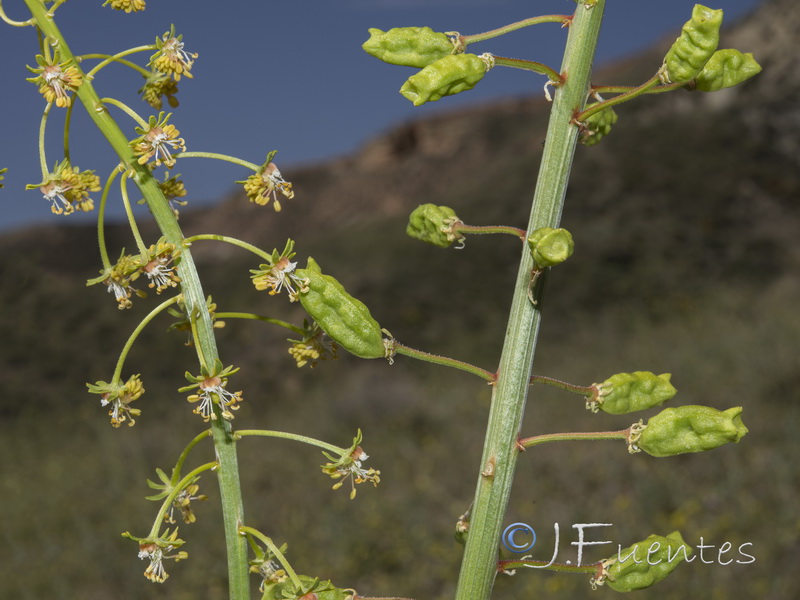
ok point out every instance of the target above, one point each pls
(224, 443)
(500, 453)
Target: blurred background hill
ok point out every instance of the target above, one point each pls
(686, 227)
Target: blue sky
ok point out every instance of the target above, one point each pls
(285, 75)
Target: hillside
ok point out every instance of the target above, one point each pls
(685, 220)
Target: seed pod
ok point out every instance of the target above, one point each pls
(432, 224)
(550, 246)
(645, 563)
(408, 46)
(597, 126)
(695, 46)
(724, 69)
(345, 319)
(690, 429)
(628, 392)
(444, 77)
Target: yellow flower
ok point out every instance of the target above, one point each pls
(128, 6)
(157, 140)
(265, 185)
(347, 467)
(56, 80)
(171, 58)
(67, 189)
(159, 84)
(119, 398)
(157, 265)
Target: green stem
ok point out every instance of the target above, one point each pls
(496, 471)
(629, 95)
(177, 489)
(516, 563)
(399, 348)
(101, 213)
(563, 385)
(265, 319)
(276, 551)
(290, 436)
(622, 89)
(230, 240)
(126, 202)
(224, 157)
(127, 110)
(194, 299)
(176, 472)
(481, 37)
(108, 59)
(132, 338)
(42, 154)
(481, 229)
(535, 440)
(11, 21)
(529, 65)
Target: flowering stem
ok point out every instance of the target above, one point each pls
(132, 338)
(101, 212)
(241, 315)
(108, 59)
(123, 185)
(177, 489)
(194, 300)
(127, 110)
(496, 470)
(243, 530)
(563, 385)
(514, 563)
(480, 37)
(529, 65)
(481, 229)
(622, 89)
(10, 21)
(42, 128)
(176, 472)
(399, 348)
(218, 156)
(629, 95)
(525, 443)
(230, 240)
(291, 436)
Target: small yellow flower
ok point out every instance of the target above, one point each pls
(128, 6)
(171, 58)
(266, 184)
(183, 503)
(67, 189)
(56, 79)
(157, 86)
(211, 387)
(119, 277)
(156, 550)
(347, 467)
(157, 141)
(157, 265)
(315, 346)
(2, 176)
(119, 398)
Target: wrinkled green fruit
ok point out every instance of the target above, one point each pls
(444, 77)
(646, 562)
(691, 428)
(550, 247)
(597, 126)
(345, 319)
(695, 46)
(323, 590)
(408, 46)
(725, 69)
(427, 223)
(628, 392)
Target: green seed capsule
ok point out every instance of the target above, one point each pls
(645, 563)
(690, 429)
(444, 77)
(550, 246)
(408, 46)
(312, 587)
(695, 46)
(628, 392)
(725, 69)
(597, 126)
(432, 224)
(345, 319)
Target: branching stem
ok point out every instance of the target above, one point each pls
(442, 360)
(481, 37)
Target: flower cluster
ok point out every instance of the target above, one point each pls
(56, 79)
(157, 141)
(211, 392)
(171, 58)
(157, 265)
(119, 397)
(347, 466)
(182, 500)
(128, 6)
(156, 549)
(67, 189)
(158, 85)
(173, 189)
(316, 345)
(184, 323)
(265, 185)
(279, 274)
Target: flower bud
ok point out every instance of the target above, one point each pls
(690, 429)
(444, 77)
(645, 563)
(695, 46)
(433, 224)
(724, 69)
(597, 126)
(550, 246)
(408, 46)
(628, 392)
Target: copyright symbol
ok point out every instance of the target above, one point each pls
(512, 530)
